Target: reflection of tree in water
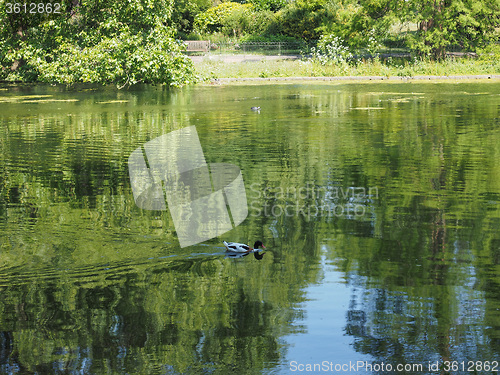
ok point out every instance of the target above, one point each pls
(427, 253)
(427, 291)
(384, 330)
(438, 255)
(183, 315)
(422, 318)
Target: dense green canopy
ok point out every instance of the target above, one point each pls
(93, 41)
(110, 41)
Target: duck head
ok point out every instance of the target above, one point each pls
(258, 244)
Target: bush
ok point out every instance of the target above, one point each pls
(394, 41)
(303, 19)
(261, 23)
(272, 5)
(125, 59)
(271, 38)
(234, 19)
(490, 53)
(222, 16)
(189, 36)
(238, 22)
(331, 50)
(122, 43)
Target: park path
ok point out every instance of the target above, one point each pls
(241, 58)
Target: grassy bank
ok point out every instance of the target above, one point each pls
(208, 69)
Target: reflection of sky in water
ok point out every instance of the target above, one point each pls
(344, 317)
(324, 324)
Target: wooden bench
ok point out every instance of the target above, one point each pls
(197, 45)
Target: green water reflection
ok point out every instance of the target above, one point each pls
(379, 203)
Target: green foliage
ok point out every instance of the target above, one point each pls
(261, 23)
(236, 20)
(314, 67)
(125, 59)
(271, 5)
(362, 25)
(490, 53)
(331, 50)
(185, 12)
(271, 38)
(112, 15)
(465, 24)
(303, 19)
(223, 16)
(348, 20)
(52, 47)
(189, 36)
(97, 42)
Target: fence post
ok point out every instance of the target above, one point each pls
(279, 48)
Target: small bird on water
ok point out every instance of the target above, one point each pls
(243, 249)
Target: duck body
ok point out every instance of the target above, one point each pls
(240, 248)
(236, 247)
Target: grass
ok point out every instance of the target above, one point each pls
(211, 69)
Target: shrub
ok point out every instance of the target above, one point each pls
(331, 49)
(125, 59)
(272, 5)
(261, 23)
(303, 19)
(272, 38)
(490, 53)
(221, 16)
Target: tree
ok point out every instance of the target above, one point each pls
(354, 22)
(218, 17)
(468, 24)
(304, 19)
(357, 23)
(96, 41)
(185, 12)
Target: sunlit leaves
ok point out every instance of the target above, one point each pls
(216, 17)
(104, 41)
(442, 25)
(126, 59)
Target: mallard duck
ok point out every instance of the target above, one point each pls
(243, 249)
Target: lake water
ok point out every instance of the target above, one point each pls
(379, 205)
